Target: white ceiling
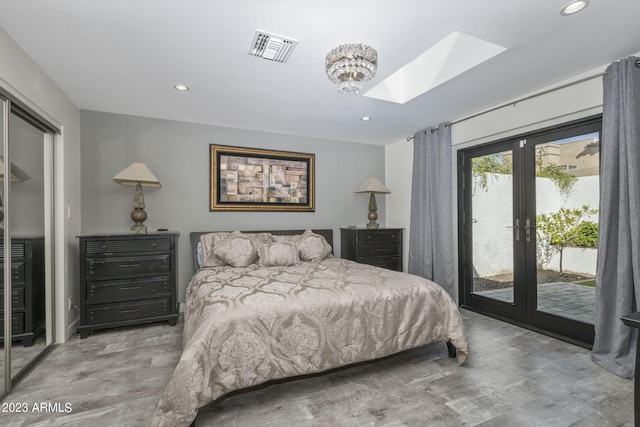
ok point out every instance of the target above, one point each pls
(124, 56)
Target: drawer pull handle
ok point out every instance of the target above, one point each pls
(132, 310)
(130, 288)
(129, 265)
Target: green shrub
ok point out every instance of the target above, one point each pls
(586, 235)
(561, 229)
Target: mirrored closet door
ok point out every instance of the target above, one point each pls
(27, 244)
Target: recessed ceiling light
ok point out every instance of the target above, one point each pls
(574, 7)
(365, 118)
(181, 87)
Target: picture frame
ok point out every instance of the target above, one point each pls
(254, 179)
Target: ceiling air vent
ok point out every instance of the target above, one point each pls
(271, 46)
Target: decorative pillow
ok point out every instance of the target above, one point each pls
(278, 253)
(208, 242)
(237, 250)
(313, 247)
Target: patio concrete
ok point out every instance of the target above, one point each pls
(561, 299)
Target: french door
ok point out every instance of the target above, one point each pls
(528, 229)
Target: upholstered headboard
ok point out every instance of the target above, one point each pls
(195, 238)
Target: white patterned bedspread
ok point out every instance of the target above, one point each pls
(246, 326)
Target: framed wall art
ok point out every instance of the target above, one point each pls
(251, 179)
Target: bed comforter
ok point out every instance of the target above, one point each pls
(246, 326)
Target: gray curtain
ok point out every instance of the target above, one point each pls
(431, 232)
(618, 268)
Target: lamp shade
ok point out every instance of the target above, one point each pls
(137, 173)
(372, 185)
(17, 174)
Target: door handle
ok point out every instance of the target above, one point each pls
(516, 229)
(527, 228)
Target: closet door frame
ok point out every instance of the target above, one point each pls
(13, 106)
(6, 187)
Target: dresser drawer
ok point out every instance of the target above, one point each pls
(128, 310)
(127, 289)
(17, 250)
(17, 273)
(381, 250)
(115, 246)
(17, 299)
(17, 324)
(379, 236)
(98, 268)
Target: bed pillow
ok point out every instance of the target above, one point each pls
(208, 242)
(278, 254)
(260, 239)
(237, 250)
(199, 254)
(312, 246)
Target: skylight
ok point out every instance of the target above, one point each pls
(448, 58)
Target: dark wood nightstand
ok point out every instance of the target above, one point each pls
(127, 279)
(381, 247)
(27, 289)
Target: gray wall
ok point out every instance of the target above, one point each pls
(178, 154)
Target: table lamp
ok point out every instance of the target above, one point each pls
(137, 174)
(372, 185)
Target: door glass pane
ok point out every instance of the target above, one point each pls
(567, 193)
(27, 210)
(492, 225)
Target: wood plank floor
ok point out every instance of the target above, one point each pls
(514, 377)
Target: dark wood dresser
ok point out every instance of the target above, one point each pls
(127, 279)
(27, 289)
(381, 247)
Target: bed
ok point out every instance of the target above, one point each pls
(278, 304)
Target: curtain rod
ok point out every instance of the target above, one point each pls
(526, 98)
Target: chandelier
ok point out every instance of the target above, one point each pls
(349, 65)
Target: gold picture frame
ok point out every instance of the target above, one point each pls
(252, 179)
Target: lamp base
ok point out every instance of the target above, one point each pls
(373, 212)
(138, 216)
(139, 229)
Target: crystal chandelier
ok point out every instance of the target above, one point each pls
(349, 65)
